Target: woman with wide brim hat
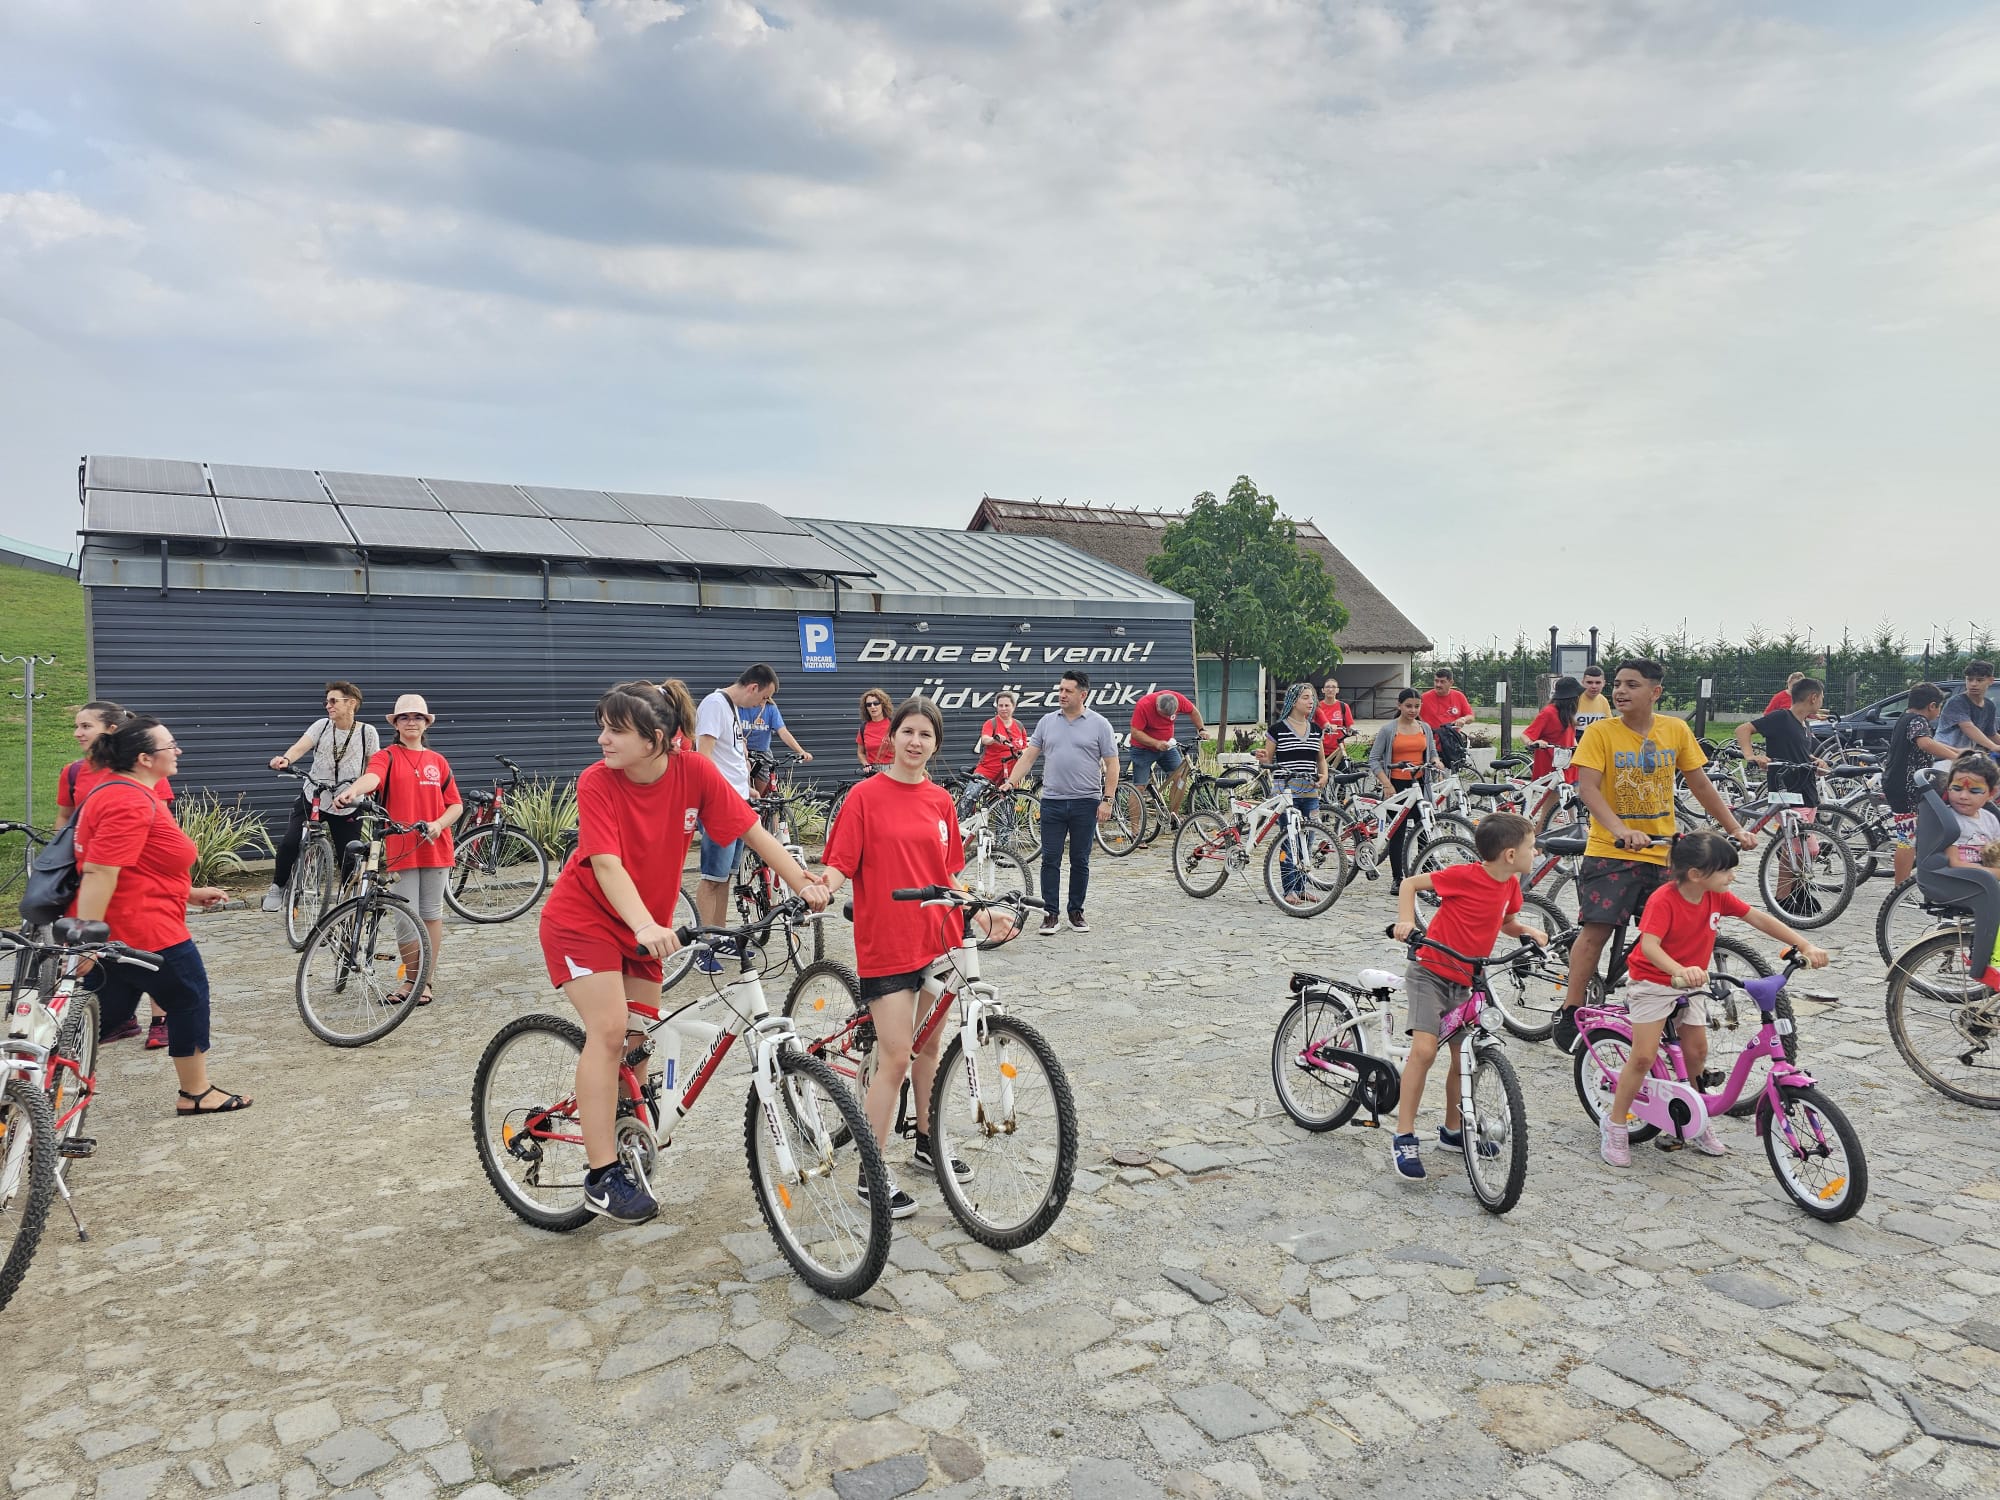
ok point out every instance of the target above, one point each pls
(417, 788)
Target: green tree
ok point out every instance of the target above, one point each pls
(1257, 595)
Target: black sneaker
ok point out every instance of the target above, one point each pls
(1050, 926)
(1076, 922)
(901, 1204)
(618, 1198)
(922, 1157)
(1564, 1032)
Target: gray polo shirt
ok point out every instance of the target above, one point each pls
(1072, 751)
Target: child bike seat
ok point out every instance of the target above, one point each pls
(1378, 979)
(1562, 841)
(1764, 991)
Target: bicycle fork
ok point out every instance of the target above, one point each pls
(975, 1034)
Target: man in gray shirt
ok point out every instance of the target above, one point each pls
(1968, 721)
(1076, 792)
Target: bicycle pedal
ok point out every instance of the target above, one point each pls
(77, 1148)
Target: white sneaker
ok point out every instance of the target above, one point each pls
(1707, 1142)
(274, 899)
(1614, 1144)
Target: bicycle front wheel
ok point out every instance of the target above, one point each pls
(1806, 877)
(497, 872)
(836, 1243)
(1815, 1154)
(1122, 832)
(1305, 868)
(27, 1178)
(1944, 1021)
(363, 967)
(525, 1124)
(1015, 1135)
(1202, 851)
(1317, 1098)
(311, 891)
(1861, 841)
(71, 1075)
(1529, 996)
(1494, 1130)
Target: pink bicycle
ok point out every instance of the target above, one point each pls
(1813, 1150)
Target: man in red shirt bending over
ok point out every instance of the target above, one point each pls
(1153, 746)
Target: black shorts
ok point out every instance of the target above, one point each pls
(1609, 891)
(888, 984)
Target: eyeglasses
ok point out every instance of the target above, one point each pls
(163, 749)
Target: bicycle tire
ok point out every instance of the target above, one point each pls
(677, 965)
(27, 1178)
(1508, 1137)
(1301, 1026)
(1814, 903)
(1024, 824)
(1122, 832)
(1851, 1181)
(1935, 974)
(1839, 823)
(949, 1142)
(310, 891)
(77, 1041)
(1439, 854)
(1200, 841)
(826, 1176)
(998, 872)
(1445, 825)
(484, 854)
(1204, 796)
(541, 1092)
(822, 1000)
(1596, 1077)
(1322, 844)
(1902, 919)
(1510, 988)
(363, 1014)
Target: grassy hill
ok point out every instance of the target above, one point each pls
(40, 613)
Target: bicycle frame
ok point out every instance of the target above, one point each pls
(1655, 1106)
(1463, 1025)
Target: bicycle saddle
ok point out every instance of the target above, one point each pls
(1378, 979)
(1853, 770)
(1348, 778)
(1570, 840)
(1946, 908)
(70, 930)
(1764, 990)
(1489, 789)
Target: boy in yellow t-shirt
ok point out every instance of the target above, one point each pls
(1592, 707)
(1625, 770)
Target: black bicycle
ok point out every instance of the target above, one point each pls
(497, 870)
(367, 961)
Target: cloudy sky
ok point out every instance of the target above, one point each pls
(1612, 311)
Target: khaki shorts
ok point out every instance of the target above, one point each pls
(1646, 1002)
(1430, 998)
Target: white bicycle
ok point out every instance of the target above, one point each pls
(1305, 867)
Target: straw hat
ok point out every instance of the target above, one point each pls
(412, 703)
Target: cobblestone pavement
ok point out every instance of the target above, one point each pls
(324, 1294)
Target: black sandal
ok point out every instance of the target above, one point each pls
(231, 1102)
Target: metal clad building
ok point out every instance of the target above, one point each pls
(221, 598)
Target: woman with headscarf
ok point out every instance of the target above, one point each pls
(1295, 751)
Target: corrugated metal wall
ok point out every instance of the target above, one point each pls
(238, 676)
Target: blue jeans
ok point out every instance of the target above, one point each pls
(180, 986)
(1075, 819)
(1145, 762)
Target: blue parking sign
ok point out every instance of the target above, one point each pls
(816, 643)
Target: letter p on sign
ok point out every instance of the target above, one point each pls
(816, 643)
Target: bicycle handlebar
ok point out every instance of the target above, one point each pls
(108, 948)
(1417, 939)
(509, 765)
(952, 896)
(791, 909)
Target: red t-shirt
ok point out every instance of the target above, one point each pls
(416, 788)
(874, 742)
(999, 759)
(1146, 719)
(74, 781)
(1439, 709)
(1471, 907)
(892, 835)
(1782, 699)
(1335, 719)
(138, 834)
(649, 828)
(1548, 727)
(1686, 929)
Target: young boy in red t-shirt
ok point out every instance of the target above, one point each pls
(1476, 903)
(1666, 971)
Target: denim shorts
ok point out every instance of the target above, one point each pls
(1145, 762)
(718, 861)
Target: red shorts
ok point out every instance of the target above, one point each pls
(571, 955)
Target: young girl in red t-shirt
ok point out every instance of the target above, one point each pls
(1554, 729)
(636, 811)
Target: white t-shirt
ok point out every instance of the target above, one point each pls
(717, 716)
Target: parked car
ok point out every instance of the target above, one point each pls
(1869, 727)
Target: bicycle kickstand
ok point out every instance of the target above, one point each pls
(82, 1234)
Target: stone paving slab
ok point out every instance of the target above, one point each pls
(325, 1292)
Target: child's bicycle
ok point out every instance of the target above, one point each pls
(48, 1076)
(799, 1120)
(1326, 1065)
(1813, 1151)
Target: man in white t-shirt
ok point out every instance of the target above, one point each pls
(719, 734)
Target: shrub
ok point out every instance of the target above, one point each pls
(545, 811)
(807, 815)
(223, 834)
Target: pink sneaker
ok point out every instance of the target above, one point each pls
(1615, 1144)
(1708, 1144)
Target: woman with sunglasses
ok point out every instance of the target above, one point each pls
(341, 750)
(416, 788)
(871, 745)
(136, 864)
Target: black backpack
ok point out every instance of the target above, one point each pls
(53, 877)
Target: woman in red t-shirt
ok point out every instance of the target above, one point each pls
(1335, 720)
(636, 811)
(135, 864)
(895, 831)
(1554, 729)
(871, 745)
(417, 788)
(1002, 738)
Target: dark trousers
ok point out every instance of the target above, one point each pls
(345, 829)
(180, 988)
(1074, 819)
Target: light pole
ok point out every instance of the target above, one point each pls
(28, 695)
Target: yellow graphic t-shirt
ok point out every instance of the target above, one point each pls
(1591, 707)
(1638, 780)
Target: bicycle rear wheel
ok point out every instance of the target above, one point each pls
(1806, 877)
(835, 1243)
(1599, 1060)
(524, 1120)
(1122, 832)
(310, 892)
(1494, 1130)
(76, 1044)
(1020, 824)
(1305, 872)
(1944, 1021)
(27, 1178)
(363, 967)
(1018, 1138)
(1316, 1098)
(1815, 1154)
(1529, 997)
(1902, 919)
(1202, 850)
(497, 872)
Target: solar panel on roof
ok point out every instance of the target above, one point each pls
(253, 483)
(136, 514)
(149, 476)
(393, 490)
(808, 554)
(747, 515)
(282, 521)
(575, 505)
(521, 536)
(708, 547)
(669, 510)
(485, 499)
(422, 531)
(623, 539)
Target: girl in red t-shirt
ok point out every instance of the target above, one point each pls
(417, 788)
(135, 864)
(871, 745)
(895, 831)
(1554, 729)
(636, 811)
(1002, 738)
